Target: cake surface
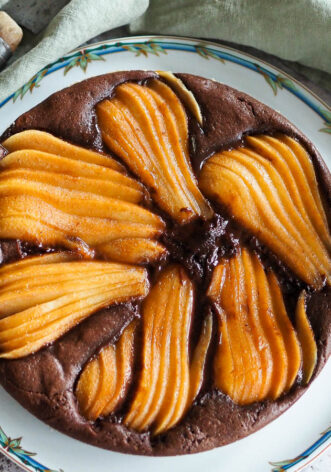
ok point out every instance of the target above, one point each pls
(221, 239)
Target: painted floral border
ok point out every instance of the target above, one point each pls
(14, 450)
(282, 466)
(83, 57)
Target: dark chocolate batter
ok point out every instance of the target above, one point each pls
(44, 382)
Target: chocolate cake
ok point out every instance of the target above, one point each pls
(165, 262)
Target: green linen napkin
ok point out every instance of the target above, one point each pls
(75, 24)
(297, 30)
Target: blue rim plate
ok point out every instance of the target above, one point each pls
(303, 432)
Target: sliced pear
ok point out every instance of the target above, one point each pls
(133, 250)
(77, 203)
(12, 180)
(29, 273)
(306, 338)
(104, 380)
(42, 141)
(199, 359)
(147, 128)
(43, 161)
(291, 160)
(259, 355)
(87, 386)
(14, 299)
(183, 93)
(244, 381)
(53, 257)
(32, 219)
(291, 342)
(124, 363)
(44, 313)
(80, 203)
(165, 388)
(269, 186)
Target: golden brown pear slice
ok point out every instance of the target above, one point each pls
(182, 92)
(244, 380)
(306, 338)
(133, 250)
(146, 126)
(104, 380)
(291, 341)
(51, 221)
(42, 141)
(269, 186)
(199, 359)
(167, 385)
(53, 257)
(43, 161)
(45, 313)
(25, 270)
(54, 200)
(12, 180)
(259, 355)
(292, 161)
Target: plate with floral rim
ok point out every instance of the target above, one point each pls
(303, 432)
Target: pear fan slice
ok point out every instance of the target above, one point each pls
(43, 141)
(169, 382)
(56, 194)
(133, 250)
(259, 354)
(36, 310)
(103, 382)
(146, 126)
(307, 339)
(269, 187)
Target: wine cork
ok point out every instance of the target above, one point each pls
(10, 32)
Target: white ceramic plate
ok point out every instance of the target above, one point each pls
(303, 432)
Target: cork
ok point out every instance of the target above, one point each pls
(10, 32)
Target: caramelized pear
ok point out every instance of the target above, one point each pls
(290, 338)
(42, 141)
(32, 219)
(53, 257)
(307, 339)
(104, 380)
(146, 126)
(133, 250)
(166, 315)
(259, 355)
(199, 359)
(182, 92)
(73, 200)
(270, 188)
(12, 180)
(41, 302)
(43, 161)
(167, 385)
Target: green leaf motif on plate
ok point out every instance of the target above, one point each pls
(277, 82)
(207, 53)
(143, 49)
(82, 59)
(13, 446)
(282, 466)
(29, 86)
(327, 120)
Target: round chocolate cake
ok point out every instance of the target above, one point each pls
(165, 262)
